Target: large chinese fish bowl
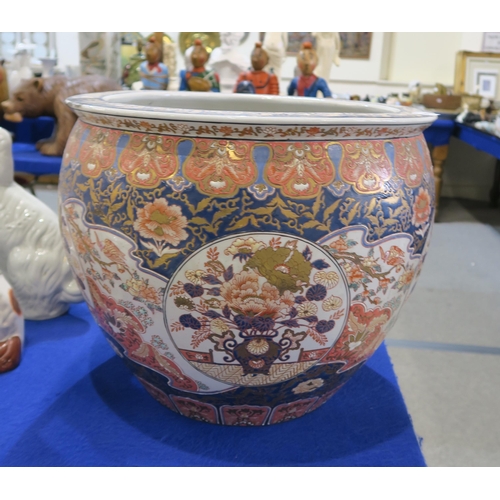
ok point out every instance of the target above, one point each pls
(244, 254)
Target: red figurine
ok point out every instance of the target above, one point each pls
(258, 81)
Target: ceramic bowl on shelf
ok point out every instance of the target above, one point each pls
(245, 254)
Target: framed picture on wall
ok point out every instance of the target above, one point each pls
(491, 42)
(486, 83)
(477, 73)
(355, 45)
(296, 39)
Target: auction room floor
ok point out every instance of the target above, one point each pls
(445, 346)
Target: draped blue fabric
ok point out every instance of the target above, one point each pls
(72, 402)
(26, 157)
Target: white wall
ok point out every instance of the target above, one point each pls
(428, 57)
(68, 53)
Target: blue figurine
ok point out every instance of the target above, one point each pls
(154, 74)
(308, 84)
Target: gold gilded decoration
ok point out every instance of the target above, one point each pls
(148, 159)
(226, 173)
(300, 169)
(224, 257)
(233, 374)
(98, 152)
(365, 165)
(408, 162)
(220, 167)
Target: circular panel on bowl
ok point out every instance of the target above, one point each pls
(255, 309)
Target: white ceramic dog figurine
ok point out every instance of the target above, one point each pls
(11, 328)
(32, 256)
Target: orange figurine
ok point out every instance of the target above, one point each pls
(258, 81)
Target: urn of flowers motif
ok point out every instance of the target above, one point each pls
(244, 254)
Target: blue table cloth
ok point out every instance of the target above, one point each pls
(26, 157)
(482, 141)
(30, 130)
(72, 402)
(488, 143)
(440, 132)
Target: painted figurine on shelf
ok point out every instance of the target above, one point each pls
(199, 79)
(261, 81)
(154, 74)
(308, 84)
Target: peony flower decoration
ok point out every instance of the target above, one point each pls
(164, 224)
(421, 211)
(141, 289)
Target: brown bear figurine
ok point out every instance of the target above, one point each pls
(46, 97)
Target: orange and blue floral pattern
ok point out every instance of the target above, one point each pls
(244, 281)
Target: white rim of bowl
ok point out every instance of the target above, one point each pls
(114, 104)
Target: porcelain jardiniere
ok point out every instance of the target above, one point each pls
(245, 254)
